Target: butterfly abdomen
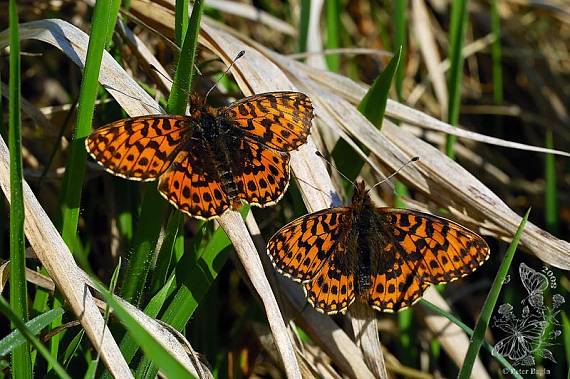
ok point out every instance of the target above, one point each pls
(362, 229)
(222, 144)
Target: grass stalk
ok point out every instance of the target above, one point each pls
(496, 54)
(304, 20)
(333, 25)
(21, 358)
(487, 311)
(457, 29)
(180, 21)
(551, 194)
(400, 40)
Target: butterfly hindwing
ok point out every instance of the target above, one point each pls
(299, 249)
(260, 174)
(279, 120)
(139, 148)
(332, 289)
(192, 186)
(396, 287)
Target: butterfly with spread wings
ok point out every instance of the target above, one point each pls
(211, 161)
(387, 257)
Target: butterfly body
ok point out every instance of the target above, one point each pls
(214, 159)
(385, 257)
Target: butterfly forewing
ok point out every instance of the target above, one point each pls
(437, 249)
(301, 248)
(139, 148)
(279, 120)
(261, 175)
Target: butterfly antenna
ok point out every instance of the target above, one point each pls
(333, 166)
(414, 159)
(240, 54)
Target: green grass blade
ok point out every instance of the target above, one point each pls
(490, 302)
(333, 25)
(154, 206)
(21, 358)
(197, 280)
(372, 106)
(305, 17)
(400, 39)
(153, 210)
(551, 194)
(169, 365)
(15, 338)
(167, 253)
(459, 16)
(31, 338)
(72, 347)
(180, 21)
(566, 336)
(178, 99)
(496, 54)
(435, 309)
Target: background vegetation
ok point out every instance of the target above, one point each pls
(497, 70)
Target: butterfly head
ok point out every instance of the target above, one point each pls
(360, 196)
(199, 107)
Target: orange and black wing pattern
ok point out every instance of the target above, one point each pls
(332, 289)
(261, 175)
(419, 249)
(301, 248)
(279, 120)
(139, 148)
(192, 186)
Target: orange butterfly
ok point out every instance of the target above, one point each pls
(210, 161)
(385, 256)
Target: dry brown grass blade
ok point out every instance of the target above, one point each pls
(430, 53)
(252, 13)
(58, 261)
(365, 328)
